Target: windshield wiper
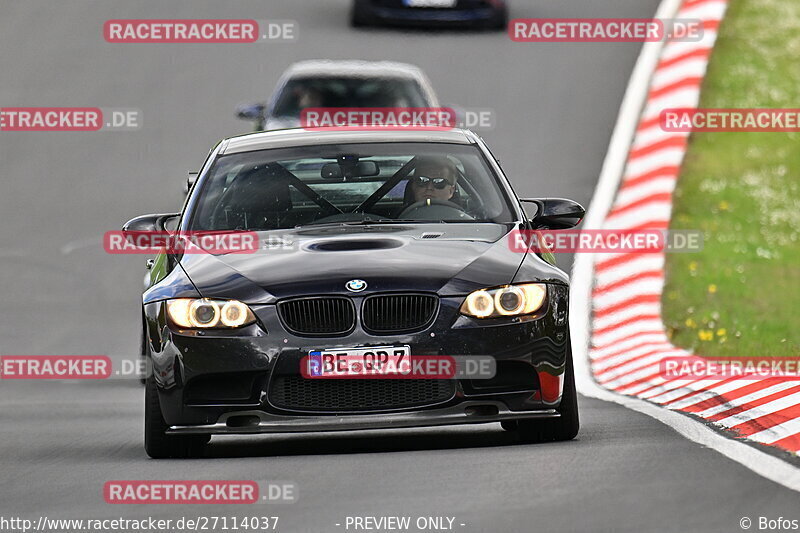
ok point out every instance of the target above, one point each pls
(353, 223)
(386, 221)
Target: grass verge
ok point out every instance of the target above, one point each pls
(740, 296)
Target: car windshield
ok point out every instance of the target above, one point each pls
(349, 184)
(302, 93)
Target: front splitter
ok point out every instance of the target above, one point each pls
(250, 422)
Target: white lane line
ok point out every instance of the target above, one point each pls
(761, 463)
(757, 461)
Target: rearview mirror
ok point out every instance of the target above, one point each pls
(555, 213)
(254, 112)
(362, 169)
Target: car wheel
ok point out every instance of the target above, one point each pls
(157, 443)
(359, 14)
(143, 354)
(562, 428)
(500, 21)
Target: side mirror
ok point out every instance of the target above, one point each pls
(151, 223)
(192, 177)
(254, 112)
(555, 213)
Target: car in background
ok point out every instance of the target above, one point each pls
(388, 244)
(487, 14)
(328, 83)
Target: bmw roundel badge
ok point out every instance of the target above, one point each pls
(356, 285)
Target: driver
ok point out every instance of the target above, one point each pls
(434, 178)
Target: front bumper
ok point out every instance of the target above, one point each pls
(221, 382)
(467, 412)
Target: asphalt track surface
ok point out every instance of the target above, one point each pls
(555, 107)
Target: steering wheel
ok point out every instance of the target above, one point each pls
(431, 203)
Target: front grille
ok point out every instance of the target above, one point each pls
(333, 395)
(318, 315)
(393, 313)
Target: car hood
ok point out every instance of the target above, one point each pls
(449, 259)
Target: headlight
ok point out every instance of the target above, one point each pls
(512, 300)
(204, 313)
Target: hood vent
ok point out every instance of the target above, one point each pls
(431, 235)
(349, 245)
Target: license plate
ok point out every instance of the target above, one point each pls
(373, 361)
(431, 3)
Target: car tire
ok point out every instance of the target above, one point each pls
(562, 428)
(359, 15)
(157, 443)
(357, 21)
(498, 22)
(143, 354)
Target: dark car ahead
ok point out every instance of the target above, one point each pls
(339, 83)
(488, 14)
(373, 245)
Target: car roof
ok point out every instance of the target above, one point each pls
(296, 137)
(353, 68)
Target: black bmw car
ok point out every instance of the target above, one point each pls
(387, 246)
(486, 14)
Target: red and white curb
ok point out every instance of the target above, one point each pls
(620, 346)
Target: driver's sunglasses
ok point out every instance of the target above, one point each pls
(438, 183)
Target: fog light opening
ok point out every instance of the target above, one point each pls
(482, 410)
